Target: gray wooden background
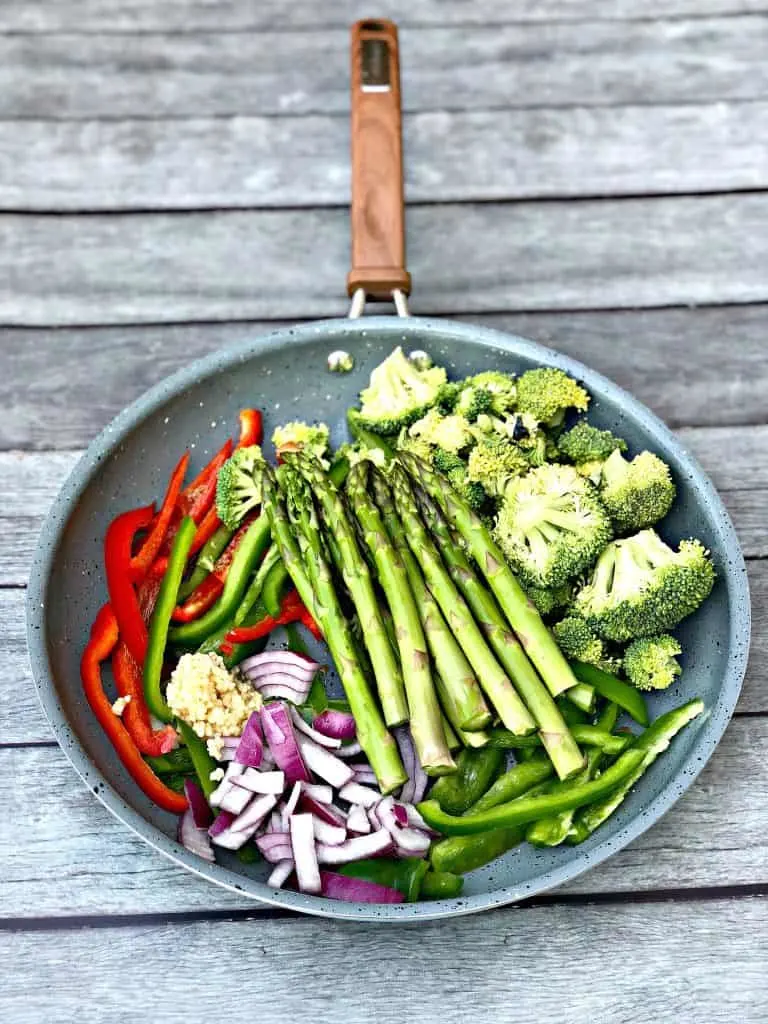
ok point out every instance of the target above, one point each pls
(174, 177)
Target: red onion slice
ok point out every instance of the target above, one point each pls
(401, 814)
(275, 823)
(221, 824)
(275, 846)
(250, 749)
(357, 794)
(198, 805)
(282, 740)
(304, 853)
(356, 890)
(194, 838)
(282, 661)
(289, 807)
(357, 820)
(317, 737)
(414, 789)
(319, 791)
(326, 812)
(349, 750)
(339, 724)
(331, 835)
(364, 774)
(235, 800)
(262, 782)
(280, 873)
(254, 814)
(323, 763)
(376, 844)
(409, 841)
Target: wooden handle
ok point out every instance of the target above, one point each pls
(378, 208)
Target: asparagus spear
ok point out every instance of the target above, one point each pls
(467, 709)
(477, 738)
(425, 719)
(521, 614)
(313, 581)
(652, 742)
(490, 674)
(555, 735)
(357, 579)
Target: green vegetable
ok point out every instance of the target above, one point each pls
(161, 617)
(649, 663)
(270, 564)
(449, 434)
(641, 587)
(177, 760)
(202, 761)
(490, 674)
(249, 551)
(299, 436)
(586, 444)
(276, 583)
(477, 770)
(579, 642)
(367, 438)
(516, 781)
(425, 716)
(582, 696)
(586, 735)
(561, 797)
(238, 488)
(358, 581)
(494, 461)
(459, 692)
(648, 745)
(441, 885)
(206, 560)
(547, 394)
(549, 599)
(406, 874)
(637, 493)
(560, 745)
(305, 561)
(248, 854)
(457, 473)
(398, 394)
(613, 689)
(551, 525)
(519, 611)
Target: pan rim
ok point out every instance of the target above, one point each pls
(710, 730)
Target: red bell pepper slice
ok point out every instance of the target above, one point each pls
(118, 544)
(129, 683)
(199, 601)
(141, 562)
(102, 642)
(291, 610)
(251, 428)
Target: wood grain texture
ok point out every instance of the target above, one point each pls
(241, 162)
(216, 73)
(672, 359)
(245, 15)
(464, 258)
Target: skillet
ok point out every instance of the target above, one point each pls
(285, 373)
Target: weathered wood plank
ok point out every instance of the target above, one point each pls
(22, 720)
(692, 366)
(243, 15)
(716, 833)
(465, 258)
(688, 963)
(484, 66)
(240, 162)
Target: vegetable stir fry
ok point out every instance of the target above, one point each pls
(484, 569)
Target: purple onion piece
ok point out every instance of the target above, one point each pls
(338, 724)
(281, 737)
(250, 749)
(198, 805)
(356, 890)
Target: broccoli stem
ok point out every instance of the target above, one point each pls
(425, 715)
(357, 579)
(460, 694)
(521, 613)
(312, 578)
(654, 741)
(554, 733)
(491, 676)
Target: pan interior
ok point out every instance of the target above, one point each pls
(285, 375)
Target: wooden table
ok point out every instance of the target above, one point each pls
(174, 177)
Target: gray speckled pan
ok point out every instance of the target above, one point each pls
(285, 374)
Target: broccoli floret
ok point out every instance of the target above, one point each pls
(579, 642)
(549, 599)
(494, 461)
(637, 493)
(447, 462)
(473, 402)
(547, 394)
(448, 396)
(238, 489)
(451, 433)
(298, 436)
(399, 393)
(472, 492)
(552, 525)
(502, 388)
(416, 446)
(586, 444)
(649, 663)
(641, 587)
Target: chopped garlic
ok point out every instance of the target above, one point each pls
(121, 704)
(216, 775)
(214, 701)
